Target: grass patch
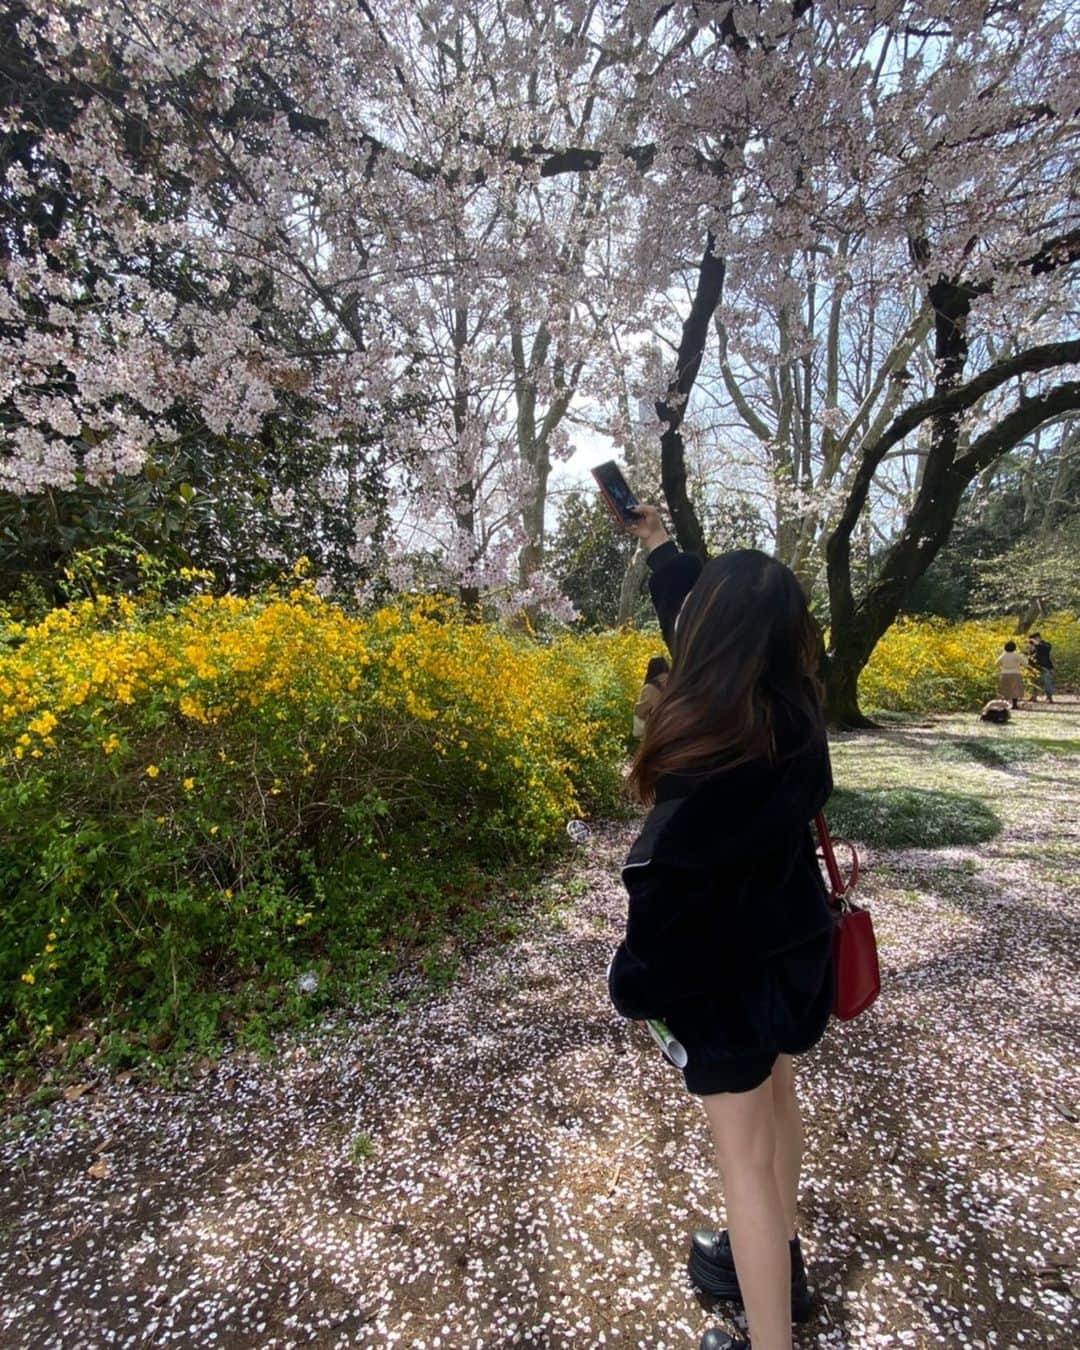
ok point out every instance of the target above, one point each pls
(1005, 750)
(888, 718)
(361, 1149)
(910, 817)
(993, 752)
(1050, 745)
(464, 909)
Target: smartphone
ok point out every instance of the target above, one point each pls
(615, 491)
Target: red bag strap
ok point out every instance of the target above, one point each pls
(837, 885)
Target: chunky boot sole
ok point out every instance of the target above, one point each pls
(725, 1285)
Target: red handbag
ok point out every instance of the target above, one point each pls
(856, 976)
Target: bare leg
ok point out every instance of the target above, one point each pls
(787, 1158)
(744, 1132)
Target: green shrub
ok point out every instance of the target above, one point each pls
(200, 804)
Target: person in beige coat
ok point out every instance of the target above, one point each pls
(1011, 664)
(655, 678)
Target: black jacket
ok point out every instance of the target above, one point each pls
(671, 575)
(728, 935)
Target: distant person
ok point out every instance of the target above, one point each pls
(1011, 665)
(1040, 663)
(656, 674)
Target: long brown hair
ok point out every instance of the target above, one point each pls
(744, 661)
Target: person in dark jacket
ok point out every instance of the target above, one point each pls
(729, 936)
(1042, 666)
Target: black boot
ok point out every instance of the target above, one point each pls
(716, 1338)
(712, 1268)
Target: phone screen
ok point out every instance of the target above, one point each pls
(616, 490)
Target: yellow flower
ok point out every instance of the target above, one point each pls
(152, 771)
(52, 936)
(189, 783)
(214, 829)
(44, 723)
(27, 977)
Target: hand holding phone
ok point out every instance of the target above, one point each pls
(646, 525)
(616, 492)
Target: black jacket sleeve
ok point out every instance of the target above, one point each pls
(671, 575)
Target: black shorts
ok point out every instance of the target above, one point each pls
(799, 987)
(741, 1075)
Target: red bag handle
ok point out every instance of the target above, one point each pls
(838, 888)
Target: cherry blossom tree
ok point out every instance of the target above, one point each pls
(169, 308)
(221, 212)
(901, 170)
(479, 209)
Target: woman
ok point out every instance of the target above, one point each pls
(728, 936)
(1011, 664)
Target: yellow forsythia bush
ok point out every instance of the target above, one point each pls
(236, 786)
(934, 665)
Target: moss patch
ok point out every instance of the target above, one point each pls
(995, 752)
(910, 817)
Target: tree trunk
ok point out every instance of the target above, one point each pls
(672, 407)
(1062, 493)
(842, 671)
(857, 627)
(531, 556)
(465, 490)
(631, 586)
(1027, 616)
(951, 464)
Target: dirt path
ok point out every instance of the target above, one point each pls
(534, 1167)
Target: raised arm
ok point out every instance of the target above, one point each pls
(671, 573)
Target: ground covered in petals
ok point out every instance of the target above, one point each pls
(507, 1163)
